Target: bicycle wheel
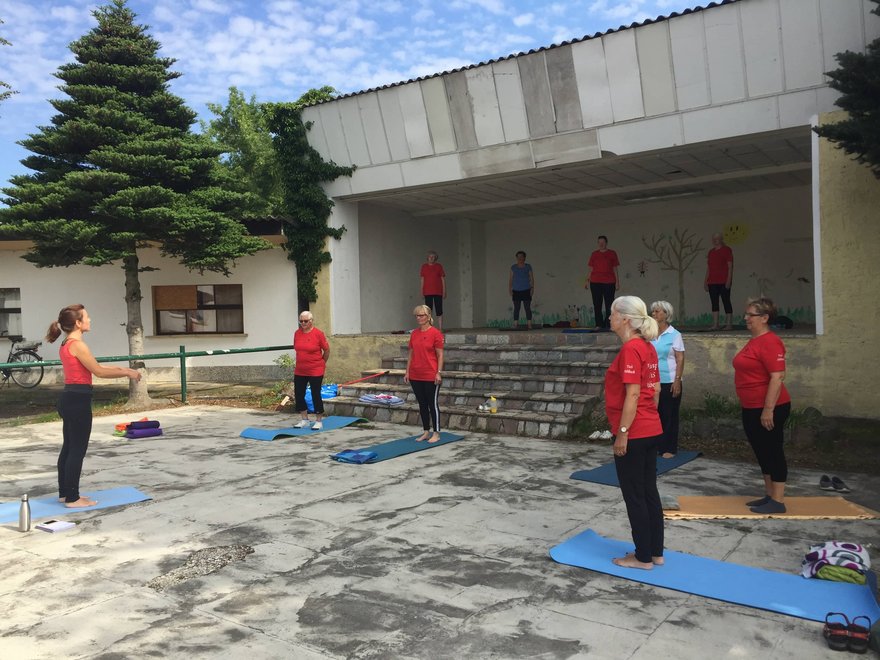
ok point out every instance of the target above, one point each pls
(27, 376)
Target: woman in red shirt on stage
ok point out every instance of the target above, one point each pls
(75, 404)
(759, 374)
(433, 279)
(423, 371)
(312, 352)
(603, 281)
(632, 389)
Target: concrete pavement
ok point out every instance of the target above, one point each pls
(439, 554)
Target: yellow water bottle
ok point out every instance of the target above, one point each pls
(493, 404)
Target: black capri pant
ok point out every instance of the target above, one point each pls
(524, 298)
(668, 409)
(768, 445)
(719, 290)
(299, 393)
(428, 394)
(602, 292)
(637, 475)
(75, 409)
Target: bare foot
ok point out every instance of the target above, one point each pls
(62, 499)
(424, 436)
(666, 455)
(629, 561)
(657, 561)
(81, 502)
(434, 438)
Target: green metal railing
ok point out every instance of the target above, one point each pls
(182, 354)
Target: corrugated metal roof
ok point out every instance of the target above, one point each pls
(597, 35)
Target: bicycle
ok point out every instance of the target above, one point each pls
(21, 351)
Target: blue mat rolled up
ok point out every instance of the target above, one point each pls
(395, 448)
(805, 598)
(607, 474)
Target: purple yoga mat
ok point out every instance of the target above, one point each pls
(149, 424)
(143, 433)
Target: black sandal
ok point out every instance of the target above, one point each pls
(859, 635)
(836, 633)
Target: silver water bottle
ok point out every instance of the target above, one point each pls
(24, 515)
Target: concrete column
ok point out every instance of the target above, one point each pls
(478, 273)
(345, 271)
(465, 274)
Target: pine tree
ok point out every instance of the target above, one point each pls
(119, 167)
(858, 81)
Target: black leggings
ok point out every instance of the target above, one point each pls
(299, 393)
(524, 297)
(602, 292)
(768, 445)
(75, 408)
(427, 394)
(716, 290)
(668, 408)
(637, 474)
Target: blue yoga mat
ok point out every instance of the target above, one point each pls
(330, 424)
(396, 448)
(805, 598)
(607, 474)
(50, 507)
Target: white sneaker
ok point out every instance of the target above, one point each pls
(595, 435)
(301, 424)
(605, 435)
(317, 426)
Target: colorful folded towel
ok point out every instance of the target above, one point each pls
(386, 399)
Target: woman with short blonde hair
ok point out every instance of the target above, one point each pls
(423, 371)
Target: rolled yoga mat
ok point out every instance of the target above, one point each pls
(607, 474)
(149, 424)
(50, 507)
(396, 448)
(330, 424)
(800, 508)
(142, 433)
(786, 593)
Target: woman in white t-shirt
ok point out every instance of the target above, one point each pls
(670, 353)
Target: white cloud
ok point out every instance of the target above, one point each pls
(616, 11)
(523, 20)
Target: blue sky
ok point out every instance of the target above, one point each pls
(277, 49)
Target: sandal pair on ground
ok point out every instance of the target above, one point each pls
(845, 635)
(833, 483)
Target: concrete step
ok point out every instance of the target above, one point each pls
(545, 337)
(567, 404)
(510, 422)
(525, 367)
(486, 382)
(527, 353)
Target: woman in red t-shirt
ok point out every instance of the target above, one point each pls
(759, 370)
(423, 371)
(632, 389)
(603, 281)
(433, 279)
(312, 353)
(75, 404)
(719, 278)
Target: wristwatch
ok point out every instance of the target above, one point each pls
(624, 429)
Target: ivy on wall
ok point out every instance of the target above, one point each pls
(305, 206)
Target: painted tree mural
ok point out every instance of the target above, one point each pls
(675, 252)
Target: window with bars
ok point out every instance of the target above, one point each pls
(198, 309)
(10, 312)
